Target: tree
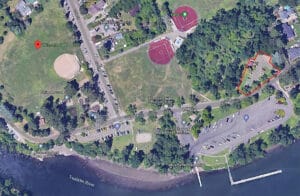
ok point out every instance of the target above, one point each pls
(269, 89)
(152, 116)
(71, 88)
(83, 10)
(196, 130)
(3, 124)
(140, 118)
(1, 39)
(131, 109)
(207, 117)
(180, 101)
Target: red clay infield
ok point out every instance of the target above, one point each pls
(185, 23)
(161, 52)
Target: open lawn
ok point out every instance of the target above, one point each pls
(27, 72)
(122, 141)
(214, 162)
(136, 80)
(205, 9)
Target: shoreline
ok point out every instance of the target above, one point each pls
(125, 176)
(133, 178)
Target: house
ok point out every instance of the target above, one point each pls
(99, 6)
(288, 31)
(23, 8)
(286, 14)
(293, 54)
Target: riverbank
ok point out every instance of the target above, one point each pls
(124, 176)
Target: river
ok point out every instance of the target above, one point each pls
(70, 176)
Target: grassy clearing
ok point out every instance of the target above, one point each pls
(135, 79)
(205, 9)
(27, 72)
(121, 142)
(214, 162)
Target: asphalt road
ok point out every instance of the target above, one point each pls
(93, 56)
(234, 129)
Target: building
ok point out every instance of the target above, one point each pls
(32, 2)
(99, 6)
(286, 14)
(23, 8)
(178, 42)
(288, 31)
(293, 54)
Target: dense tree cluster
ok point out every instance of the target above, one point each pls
(9, 143)
(91, 149)
(167, 154)
(92, 91)
(281, 135)
(3, 124)
(292, 76)
(125, 6)
(7, 187)
(33, 126)
(148, 20)
(71, 88)
(214, 54)
(58, 116)
(245, 154)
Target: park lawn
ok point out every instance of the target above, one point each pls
(136, 80)
(205, 9)
(213, 162)
(122, 141)
(27, 72)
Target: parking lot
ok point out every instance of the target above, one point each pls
(241, 126)
(117, 129)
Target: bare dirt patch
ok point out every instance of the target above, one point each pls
(66, 66)
(143, 137)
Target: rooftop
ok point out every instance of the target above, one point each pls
(23, 8)
(288, 31)
(293, 53)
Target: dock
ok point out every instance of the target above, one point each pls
(256, 177)
(232, 182)
(198, 175)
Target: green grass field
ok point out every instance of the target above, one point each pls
(122, 141)
(205, 9)
(27, 72)
(135, 79)
(215, 161)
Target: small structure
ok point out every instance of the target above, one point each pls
(293, 54)
(119, 36)
(32, 2)
(23, 8)
(42, 121)
(288, 31)
(178, 42)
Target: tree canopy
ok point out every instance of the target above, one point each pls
(215, 53)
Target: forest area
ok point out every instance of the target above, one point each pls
(214, 55)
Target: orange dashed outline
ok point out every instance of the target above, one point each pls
(262, 83)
